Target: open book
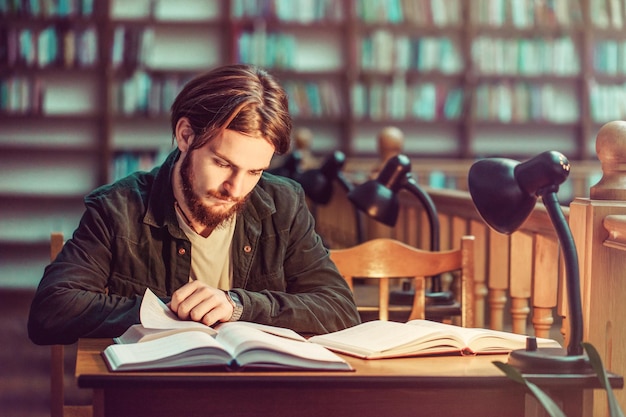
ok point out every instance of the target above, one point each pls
(157, 321)
(235, 346)
(387, 339)
(230, 346)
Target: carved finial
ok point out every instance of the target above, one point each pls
(390, 144)
(611, 150)
(302, 141)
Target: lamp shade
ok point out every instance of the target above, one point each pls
(318, 183)
(505, 191)
(378, 198)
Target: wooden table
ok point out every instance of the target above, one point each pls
(433, 386)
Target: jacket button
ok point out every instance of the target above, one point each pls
(181, 251)
(247, 249)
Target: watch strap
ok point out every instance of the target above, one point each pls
(233, 298)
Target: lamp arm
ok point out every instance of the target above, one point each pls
(570, 257)
(431, 211)
(412, 186)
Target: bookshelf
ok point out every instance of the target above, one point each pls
(85, 86)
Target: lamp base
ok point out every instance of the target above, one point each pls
(549, 361)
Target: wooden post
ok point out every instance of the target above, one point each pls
(602, 266)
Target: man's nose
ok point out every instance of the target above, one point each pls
(234, 185)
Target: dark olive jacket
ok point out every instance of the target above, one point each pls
(128, 240)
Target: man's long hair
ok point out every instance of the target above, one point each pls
(242, 98)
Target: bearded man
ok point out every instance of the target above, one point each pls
(208, 231)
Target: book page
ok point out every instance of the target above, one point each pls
(138, 333)
(480, 340)
(251, 346)
(154, 314)
(277, 331)
(387, 338)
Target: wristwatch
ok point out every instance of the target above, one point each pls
(233, 298)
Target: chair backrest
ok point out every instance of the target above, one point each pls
(58, 408)
(384, 259)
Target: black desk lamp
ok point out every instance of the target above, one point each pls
(504, 193)
(318, 183)
(378, 198)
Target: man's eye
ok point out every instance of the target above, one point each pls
(256, 173)
(222, 164)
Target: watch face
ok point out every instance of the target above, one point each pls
(234, 297)
(237, 306)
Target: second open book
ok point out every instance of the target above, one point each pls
(388, 339)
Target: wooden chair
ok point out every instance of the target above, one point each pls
(385, 259)
(58, 407)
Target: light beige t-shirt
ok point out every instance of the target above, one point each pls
(210, 256)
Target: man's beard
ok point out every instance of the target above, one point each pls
(205, 215)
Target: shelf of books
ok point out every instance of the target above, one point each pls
(85, 86)
(51, 113)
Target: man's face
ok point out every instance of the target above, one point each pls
(218, 177)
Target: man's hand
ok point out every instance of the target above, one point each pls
(199, 302)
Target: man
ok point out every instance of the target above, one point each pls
(208, 231)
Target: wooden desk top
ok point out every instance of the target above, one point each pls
(427, 372)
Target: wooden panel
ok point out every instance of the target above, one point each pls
(498, 277)
(520, 279)
(545, 284)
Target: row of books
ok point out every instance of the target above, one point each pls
(524, 102)
(384, 51)
(132, 46)
(609, 57)
(607, 102)
(532, 56)
(302, 11)
(440, 13)
(267, 49)
(608, 14)
(65, 47)
(21, 95)
(46, 8)
(146, 94)
(399, 101)
(314, 99)
(526, 13)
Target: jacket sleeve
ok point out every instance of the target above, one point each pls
(316, 299)
(72, 300)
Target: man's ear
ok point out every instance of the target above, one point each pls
(184, 134)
